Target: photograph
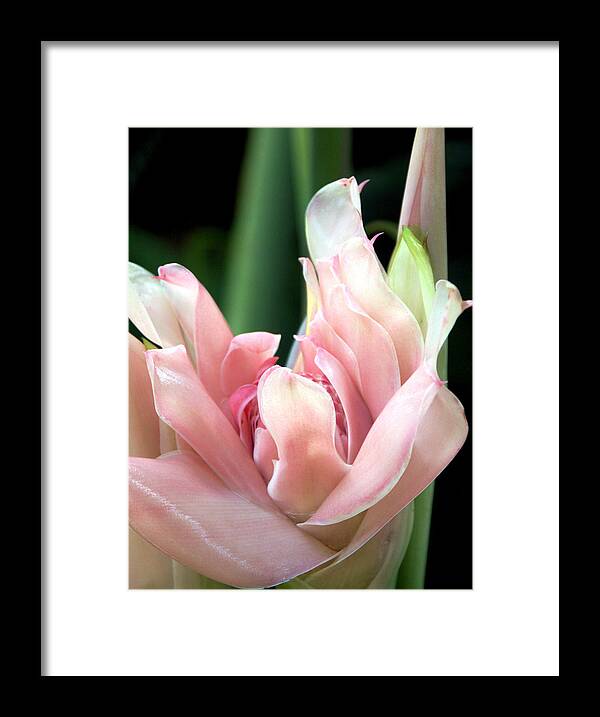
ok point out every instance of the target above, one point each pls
(338, 265)
(297, 387)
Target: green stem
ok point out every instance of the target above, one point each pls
(414, 566)
(412, 571)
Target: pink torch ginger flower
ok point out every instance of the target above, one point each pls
(254, 474)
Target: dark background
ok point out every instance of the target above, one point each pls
(183, 186)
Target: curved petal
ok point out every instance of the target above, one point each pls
(150, 310)
(370, 343)
(308, 351)
(204, 326)
(362, 274)
(329, 279)
(332, 216)
(148, 567)
(180, 506)
(385, 453)
(399, 538)
(246, 354)
(424, 201)
(387, 448)
(358, 418)
(238, 404)
(264, 453)
(144, 433)
(442, 433)
(183, 403)
(323, 336)
(313, 294)
(374, 565)
(300, 416)
(448, 305)
(337, 535)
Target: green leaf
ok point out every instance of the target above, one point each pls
(263, 288)
(410, 275)
(412, 570)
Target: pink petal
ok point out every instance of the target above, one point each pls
(357, 414)
(208, 335)
(180, 506)
(144, 434)
(323, 336)
(370, 343)
(265, 452)
(184, 404)
(246, 354)
(332, 216)
(300, 416)
(238, 403)
(337, 535)
(309, 352)
(361, 272)
(182, 445)
(424, 202)
(374, 565)
(385, 453)
(329, 278)
(442, 432)
(447, 306)
(313, 294)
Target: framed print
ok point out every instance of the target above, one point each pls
(324, 419)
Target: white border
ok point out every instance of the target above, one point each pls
(508, 624)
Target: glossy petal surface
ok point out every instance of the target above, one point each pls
(361, 273)
(178, 504)
(332, 216)
(184, 404)
(385, 453)
(208, 334)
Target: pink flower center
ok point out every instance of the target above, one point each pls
(341, 425)
(244, 407)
